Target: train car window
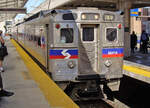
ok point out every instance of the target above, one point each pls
(111, 34)
(66, 35)
(69, 16)
(39, 41)
(88, 34)
(35, 38)
(32, 38)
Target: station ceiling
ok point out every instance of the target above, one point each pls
(140, 3)
(9, 8)
(103, 4)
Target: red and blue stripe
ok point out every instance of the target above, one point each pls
(112, 52)
(57, 54)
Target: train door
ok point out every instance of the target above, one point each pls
(88, 49)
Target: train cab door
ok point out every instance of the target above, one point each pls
(88, 49)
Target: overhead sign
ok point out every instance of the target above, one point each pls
(134, 12)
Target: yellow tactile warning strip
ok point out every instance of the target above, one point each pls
(54, 95)
(137, 70)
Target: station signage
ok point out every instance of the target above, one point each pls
(134, 12)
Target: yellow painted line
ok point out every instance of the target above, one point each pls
(137, 70)
(54, 95)
(32, 52)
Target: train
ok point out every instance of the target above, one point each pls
(81, 49)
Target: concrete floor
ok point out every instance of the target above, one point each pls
(140, 58)
(16, 78)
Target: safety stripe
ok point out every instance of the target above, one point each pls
(63, 53)
(54, 95)
(112, 52)
(115, 55)
(137, 70)
(62, 57)
(59, 52)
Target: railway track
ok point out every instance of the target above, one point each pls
(101, 103)
(94, 104)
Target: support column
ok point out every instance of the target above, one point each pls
(125, 6)
(127, 49)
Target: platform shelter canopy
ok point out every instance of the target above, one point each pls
(10, 8)
(102, 4)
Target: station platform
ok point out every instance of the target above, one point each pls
(17, 79)
(137, 66)
(31, 86)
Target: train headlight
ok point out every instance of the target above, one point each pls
(90, 16)
(108, 63)
(71, 64)
(83, 16)
(96, 17)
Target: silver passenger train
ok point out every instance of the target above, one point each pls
(82, 46)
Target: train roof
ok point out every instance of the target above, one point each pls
(45, 13)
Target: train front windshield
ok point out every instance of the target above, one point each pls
(66, 35)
